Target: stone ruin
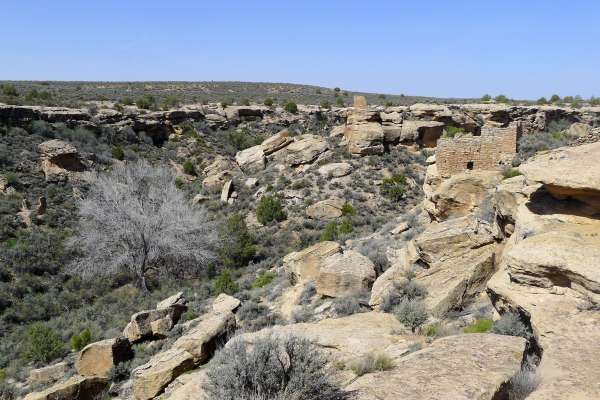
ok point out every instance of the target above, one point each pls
(494, 148)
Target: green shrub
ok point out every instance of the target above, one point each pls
(330, 232)
(269, 209)
(9, 90)
(411, 313)
(291, 107)
(78, 342)
(170, 101)
(8, 391)
(238, 245)
(263, 280)
(245, 102)
(542, 100)
(42, 344)
(486, 97)
(555, 98)
(501, 99)
(336, 89)
(340, 102)
(127, 101)
(405, 289)
(179, 182)
(511, 173)
(345, 227)
(242, 139)
(371, 363)
(479, 326)
(146, 102)
(118, 153)
(348, 210)
(268, 102)
(394, 187)
(224, 283)
(120, 372)
(226, 102)
(188, 167)
(325, 104)
(452, 130)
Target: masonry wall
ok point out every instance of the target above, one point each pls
(494, 148)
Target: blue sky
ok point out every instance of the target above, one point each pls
(524, 49)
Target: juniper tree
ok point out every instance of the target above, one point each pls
(134, 219)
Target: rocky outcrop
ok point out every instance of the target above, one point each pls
(251, 160)
(463, 194)
(75, 388)
(474, 366)
(326, 209)
(225, 303)
(202, 340)
(188, 387)
(568, 172)
(59, 159)
(151, 378)
(218, 172)
(345, 274)
(155, 323)
(51, 373)
(306, 264)
(425, 133)
(276, 142)
(363, 132)
(96, 359)
(305, 149)
(335, 170)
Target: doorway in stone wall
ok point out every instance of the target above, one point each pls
(470, 165)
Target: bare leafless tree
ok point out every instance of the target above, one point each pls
(135, 219)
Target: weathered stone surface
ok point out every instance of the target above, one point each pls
(335, 170)
(463, 367)
(187, 387)
(305, 264)
(75, 388)
(151, 378)
(59, 158)
(251, 160)
(568, 172)
(201, 340)
(326, 209)
(152, 323)
(218, 172)
(425, 133)
(276, 142)
(337, 130)
(305, 149)
(345, 274)
(225, 303)
(176, 300)
(96, 359)
(458, 256)
(395, 274)
(344, 338)
(462, 194)
(364, 138)
(226, 191)
(50, 373)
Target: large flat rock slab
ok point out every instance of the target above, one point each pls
(464, 367)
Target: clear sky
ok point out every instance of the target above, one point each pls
(449, 48)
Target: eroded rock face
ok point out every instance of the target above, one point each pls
(425, 133)
(306, 264)
(276, 142)
(463, 367)
(335, 170)
(151, 378)
(568, 172)
(188, 387)
(50, 373)
(344, 338)
(345, 274)
(251, 160)
(463, 194)
(305, 149)
(155, 323)
(58, 159)
(218, 172)
(75, 388)
(201, 340)
(326, 209)
(364, 132)
(96, 359)
(225, 303)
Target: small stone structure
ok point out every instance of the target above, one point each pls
(494, 148)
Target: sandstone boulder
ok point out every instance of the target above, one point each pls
(251, 160)
(188, 386)
(464, 367)
(226, 191)
(51, 373)
(335, 170)
(305, 264)
(225, 303)
(218, 172)
(463, 194)
(201, 341)
(177, 300)
(305, 149)
(326, 209)
(568, 172)
(59, 158)
(345, 274)
(75, 388)
(151, 378)
(96, 359)
(364, 138)
(154, 323)
(276, 142)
